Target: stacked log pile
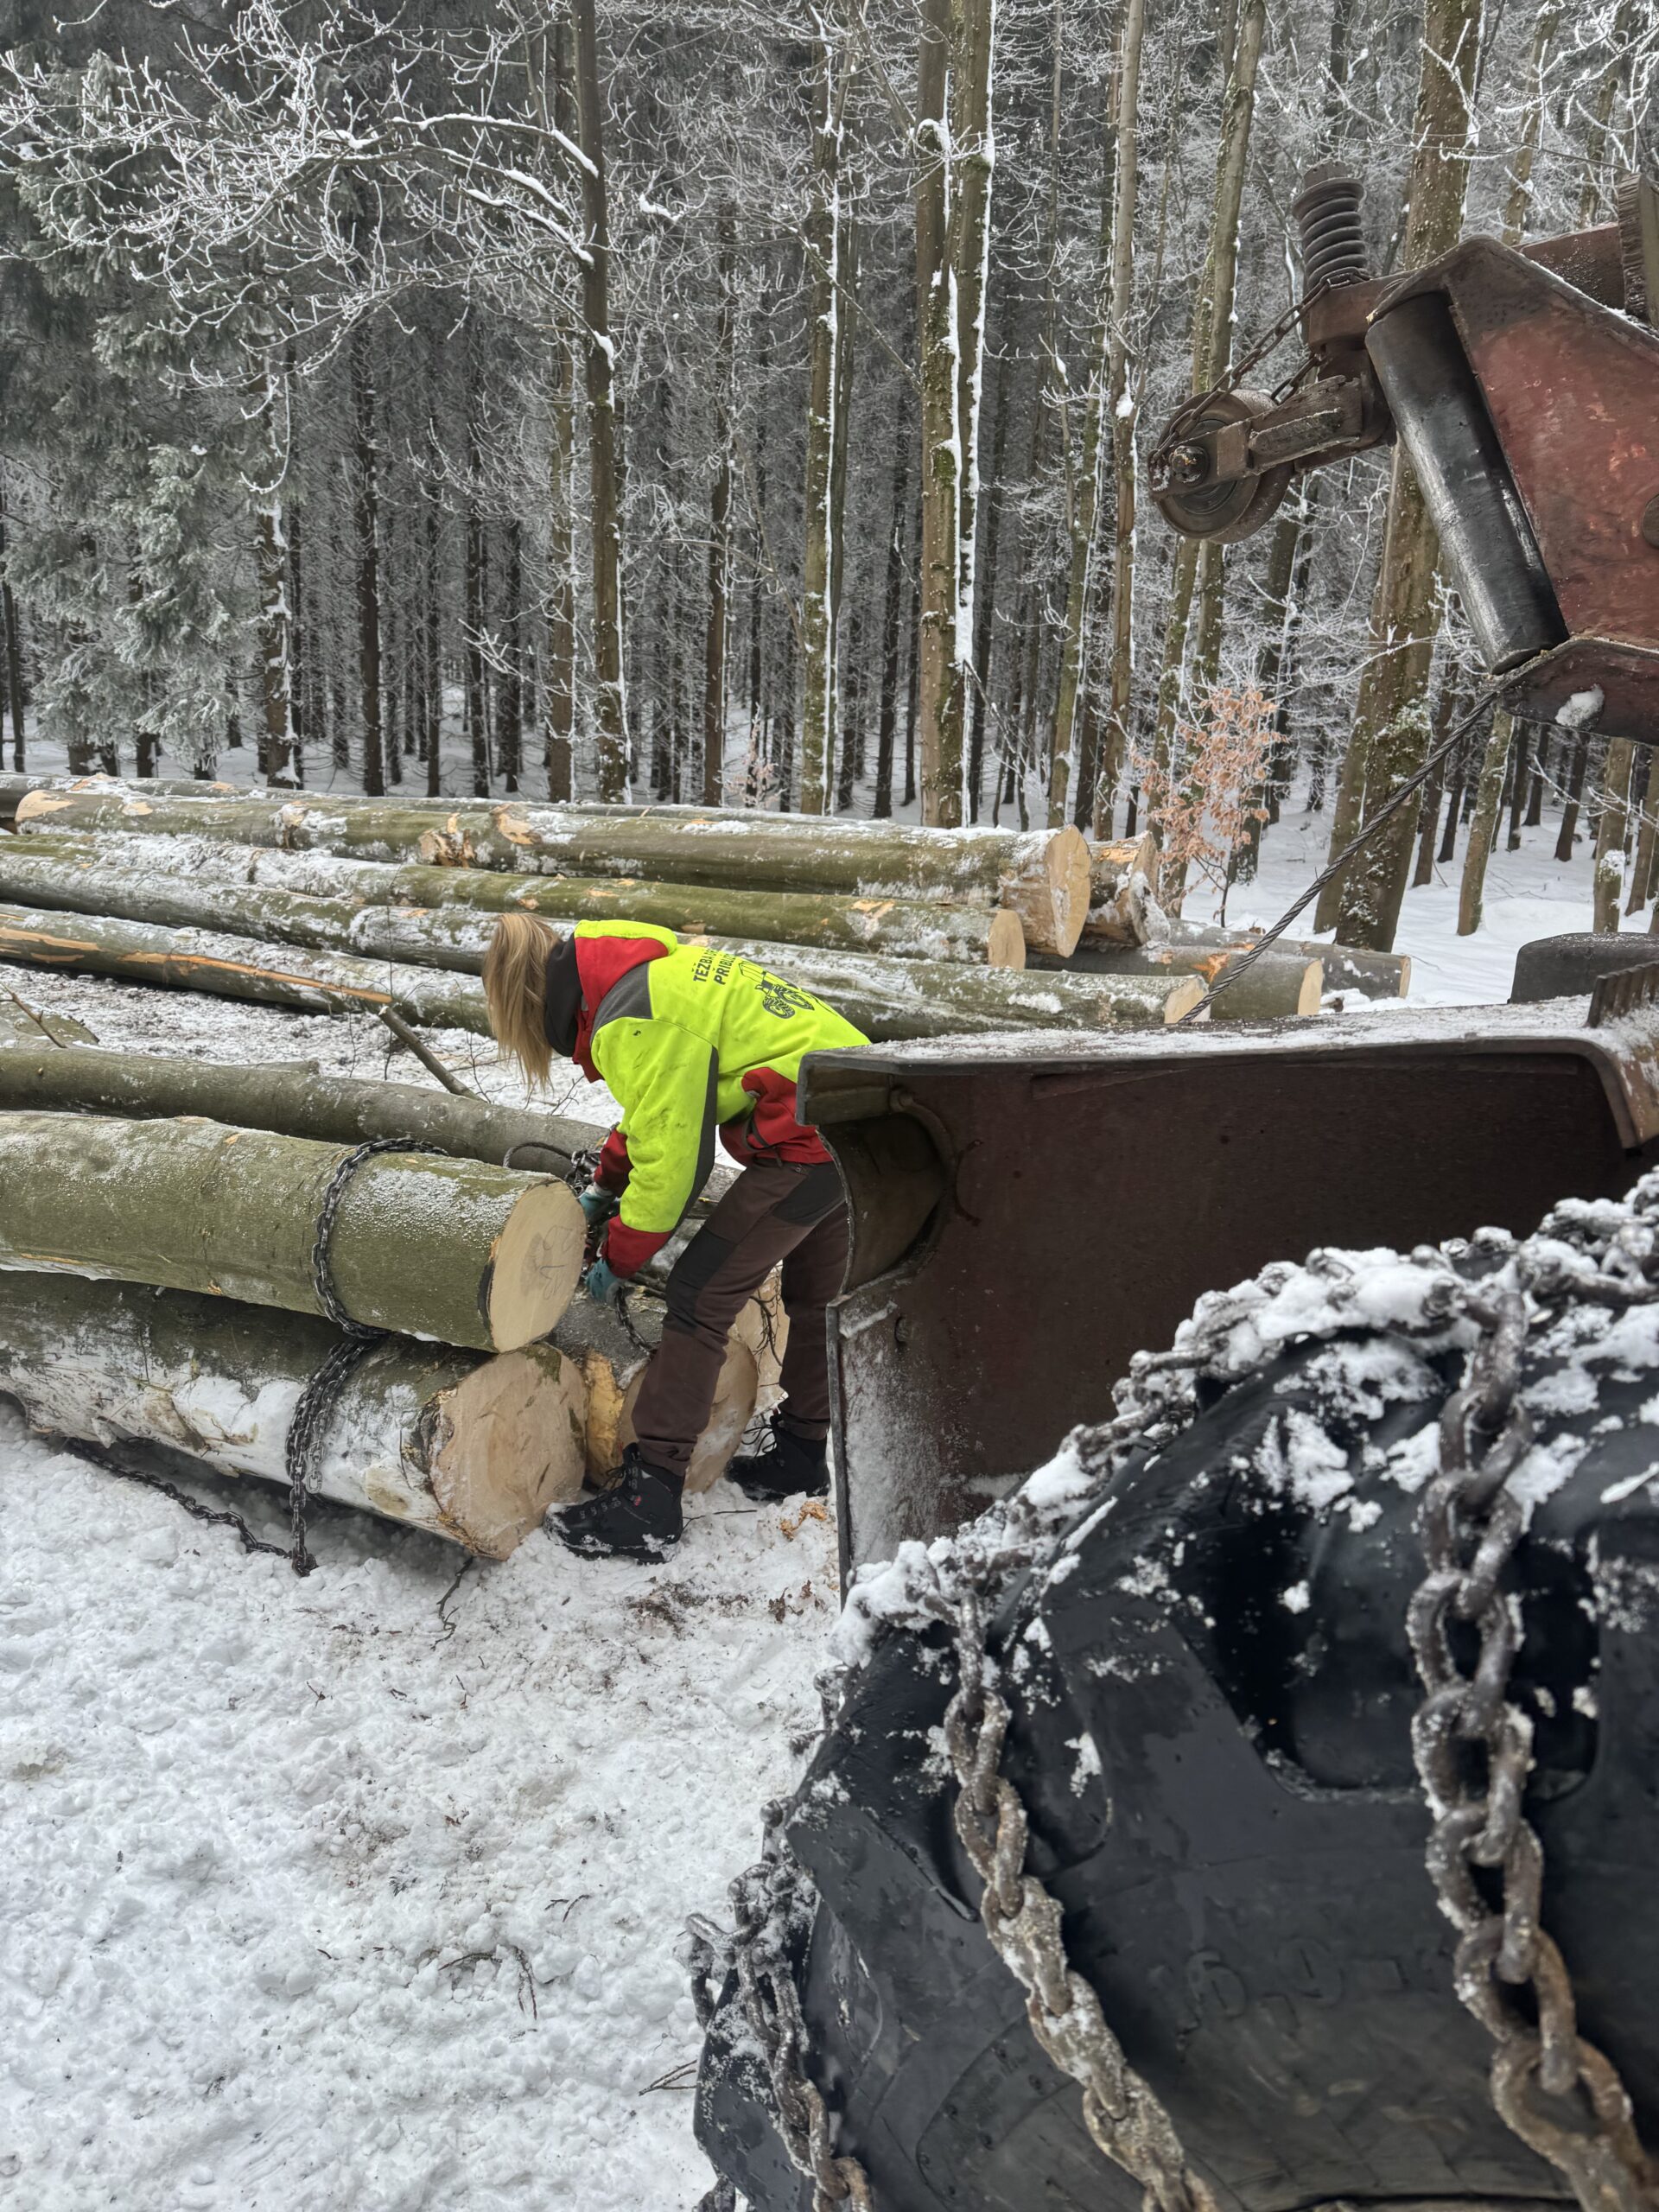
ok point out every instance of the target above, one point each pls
(172, 1279)
(358, 903)
(185, 1247)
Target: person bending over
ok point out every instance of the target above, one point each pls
(688, 1040)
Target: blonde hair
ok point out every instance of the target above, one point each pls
(515, 982)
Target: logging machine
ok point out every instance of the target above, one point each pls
(1278, 1863)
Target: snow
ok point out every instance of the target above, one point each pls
(317, 1895)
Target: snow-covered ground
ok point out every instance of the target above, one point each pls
(364, 1891)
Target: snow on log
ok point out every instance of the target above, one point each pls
(613, 1367)
(1271, 988)
(1041, 875)
(293, 1100)
(342, 904)
(239, 967)
(424, 1244)
(472, 1448)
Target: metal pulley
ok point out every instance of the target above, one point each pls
(1202, 482)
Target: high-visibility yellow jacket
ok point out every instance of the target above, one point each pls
(689, 1040)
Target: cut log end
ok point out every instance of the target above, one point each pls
(507, 1443)
(1005, 942)
(1313, 990)
(536, 1266)
(1048, 886)
(1187, 993)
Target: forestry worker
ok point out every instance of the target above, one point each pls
(688, 1040)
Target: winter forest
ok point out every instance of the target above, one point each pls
(752, 404)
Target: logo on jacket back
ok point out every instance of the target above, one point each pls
(782, 998)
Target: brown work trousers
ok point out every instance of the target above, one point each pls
(775, 1210)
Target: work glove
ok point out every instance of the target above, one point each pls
(598, 1205)
(602, 1284)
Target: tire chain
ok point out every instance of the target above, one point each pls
(1473, 1748)
(1469, 1526)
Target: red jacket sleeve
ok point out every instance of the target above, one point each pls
(612, 1172)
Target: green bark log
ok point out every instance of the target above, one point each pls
(292, 1101)
(426, 1245)
(932, 998)
(315, 900)
(1042, 874)
(1274, 988)
(239, 967)
(469, 1448)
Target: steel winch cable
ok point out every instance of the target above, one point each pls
(1229, 975)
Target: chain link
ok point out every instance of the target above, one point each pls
(771, 1902)
(1190, 411)
(1473, 1749)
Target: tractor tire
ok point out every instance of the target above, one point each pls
(1213, 1692)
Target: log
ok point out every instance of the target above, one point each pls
(933, 998)
(294, 1100)
(1347, 967)
(423, 1244)
(1120, 907)
(1042, 875)
(239, 968)
(1272, 988)
(468, 1447)
(613, 1367)
(14, 788)
(889, 1000)
(298, 900)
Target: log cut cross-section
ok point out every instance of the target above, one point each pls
(465, 1446)
(612, 1365)
(426, 1245)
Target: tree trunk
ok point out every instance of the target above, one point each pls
(1568, 832)
(473, 1450)
(985, 598)
(1123, 402)
(892, 615)
(291, 1100)
(1042, 875)
(1391, 732)
(443, 916)
(1216, 292)
(954, 150)
(427, 1245)
(367, 521)
(604, 462)
(1484, 826)
(276, 740)
(825, 437)
(719, 531)
(1212, 339)
(1609, 880)
(510, 694)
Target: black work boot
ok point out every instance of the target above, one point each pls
(791, 1466)
(639, 1518)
